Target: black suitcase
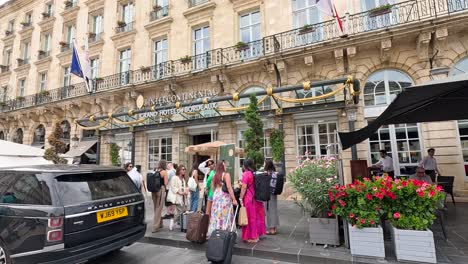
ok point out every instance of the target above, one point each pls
(221, 244)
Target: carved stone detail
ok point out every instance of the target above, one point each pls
(424, 39)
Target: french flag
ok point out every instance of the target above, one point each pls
(328, 8)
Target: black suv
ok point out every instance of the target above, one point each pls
(66, 213)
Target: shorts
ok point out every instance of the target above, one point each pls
(210, 198)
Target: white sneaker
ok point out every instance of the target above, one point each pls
(171, 224)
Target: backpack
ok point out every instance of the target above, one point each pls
(262, 186)
(153, 181)
(277, 183)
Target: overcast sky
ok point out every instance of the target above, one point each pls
(2, 1)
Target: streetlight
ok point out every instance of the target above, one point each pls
(74, 141)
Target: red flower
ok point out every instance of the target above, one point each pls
(432, 193)
(337, 187)
(404, 183)
(351, 215)
(333, 207)
(377, 208)
(396, 215)
(369, 196)
(366, 179)
(358, 189)
(363, 221)
(330, 214)
(421, 194)
(371, 222)
(440, 188)
(330, 196)
(342, 203)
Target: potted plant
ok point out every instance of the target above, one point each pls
(186, 59)
(381, 10)
(68, 3)
(3, 104)
(20, 98)
(145, 69)
(25, 24)
(411, 214)
(41, 52)
(8, 33)
(45, 15)
(240, 46)
(63, 43)
(360, 204)
(121, 23)
(91, 34)
(98, 79)
(306, 29)
(312, 180)
(44, 93)
(277, 146)
(157, 8)
(19, 60)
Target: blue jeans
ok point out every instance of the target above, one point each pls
(194, 200)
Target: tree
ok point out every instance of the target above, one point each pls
(114, 154)
(57, 146)
(277, 144)
(254, 135)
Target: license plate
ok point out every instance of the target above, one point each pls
(111, 214)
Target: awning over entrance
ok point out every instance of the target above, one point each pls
(82, 147)
(439, 100)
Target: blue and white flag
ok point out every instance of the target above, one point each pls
(80, 66)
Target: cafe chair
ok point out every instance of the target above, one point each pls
(447, 183)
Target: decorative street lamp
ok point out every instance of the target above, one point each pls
(439, 73)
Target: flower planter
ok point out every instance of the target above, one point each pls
(324, 231)
(366, 241)
(414, 245)
(306, 31)
(380, 12)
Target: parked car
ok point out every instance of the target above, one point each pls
(67, 213)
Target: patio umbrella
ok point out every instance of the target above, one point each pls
(439, 100)
(210, 148)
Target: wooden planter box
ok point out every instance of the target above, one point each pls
(324, 231)
(367, 241)
(414, 245)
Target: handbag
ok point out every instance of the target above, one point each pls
(192, 184)
(243, 220)
(224, 187)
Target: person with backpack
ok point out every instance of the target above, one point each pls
(158, 193)
(272, 217)
(255, 212)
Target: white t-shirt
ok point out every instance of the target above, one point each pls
(136, 177)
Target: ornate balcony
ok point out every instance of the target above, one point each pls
(159, 12)
(193, 3)
(123, 27)
(409, 13)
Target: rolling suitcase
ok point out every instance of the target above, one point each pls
(184, 221)
(221, 244)
(197, 227)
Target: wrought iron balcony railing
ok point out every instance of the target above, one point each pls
(22, 61)
(159, 12)
(123, 27)
(43, 54)
(4, 68)
(94, 37)
(401, 14)
(64, 47)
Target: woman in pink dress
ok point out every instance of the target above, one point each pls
(255, 212)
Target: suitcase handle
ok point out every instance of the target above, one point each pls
(234, 218)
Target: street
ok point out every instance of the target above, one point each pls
(142, 253)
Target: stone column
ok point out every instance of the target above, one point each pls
(105, 150)
(141, 151)
(179, 142)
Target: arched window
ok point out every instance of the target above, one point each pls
(265, 105)
(18, 137)
(39, 135)
(2, 135)
(65, 125)
(383, 86)
(460, 67)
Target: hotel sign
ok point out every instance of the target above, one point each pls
(181, 97)
(181, 110)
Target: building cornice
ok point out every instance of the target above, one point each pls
(241, 5)
(65, 57)
(96, 47)
(94, 5)
(200, 12)
(43, 64)
(26, 33)
(8, 40)
(23, 70)
(124, 38)
(47, 23)
(159, 27)
(70, 13)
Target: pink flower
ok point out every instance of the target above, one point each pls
(371, 222)
(420, 194)
(351, 215)
(432, 193)
(363, 221)
(397, 181)
(318, 180)
(330, 214)
(396, 215)
(369, 196)
(375, 189)
(342, 203)
(399, 187)
(440, 188)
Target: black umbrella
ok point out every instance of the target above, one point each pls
(439, 100)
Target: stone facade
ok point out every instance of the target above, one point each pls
(285, 57)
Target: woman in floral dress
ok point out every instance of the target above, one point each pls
(221, 211)
(255, 211)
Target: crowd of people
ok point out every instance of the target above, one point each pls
(209, 188)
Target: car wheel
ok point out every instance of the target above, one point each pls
(4, 256)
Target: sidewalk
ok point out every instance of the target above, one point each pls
(291, 244)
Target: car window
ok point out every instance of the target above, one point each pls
(18, 188)
(81, 188)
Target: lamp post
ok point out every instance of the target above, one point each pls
(75, 141)
(352, 117)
